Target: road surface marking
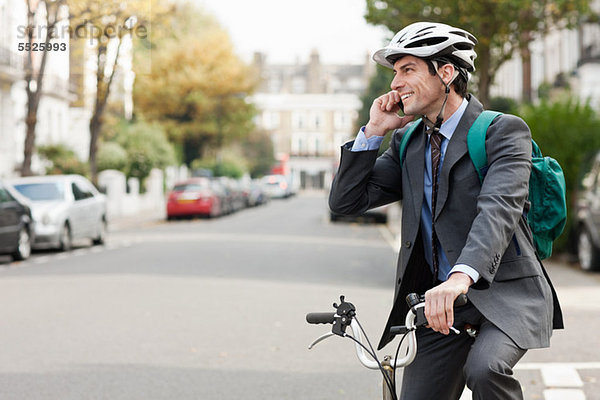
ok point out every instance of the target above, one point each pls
(263, 238)
(561, 377)
(564, 394)
(574, 365)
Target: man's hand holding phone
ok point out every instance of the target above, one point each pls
(383, 115)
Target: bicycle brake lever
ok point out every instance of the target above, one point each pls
(320, 339)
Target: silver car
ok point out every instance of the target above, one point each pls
(65, 208)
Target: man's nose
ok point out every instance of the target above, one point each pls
(397, 83)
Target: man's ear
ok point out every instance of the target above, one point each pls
(448, 73)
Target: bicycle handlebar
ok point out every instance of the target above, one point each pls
(344, 317)
(320, 318)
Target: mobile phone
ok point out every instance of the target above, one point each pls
(401, 105)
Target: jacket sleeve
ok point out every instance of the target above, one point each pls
(364, 181)
(502, 197)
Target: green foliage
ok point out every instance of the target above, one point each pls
(225, 167)
(501, 26)
(567, 130)
(378, 85)
(61, 160)
(258, 150)
(146, 146)
(504, 104)
(197, 86)
(112, 155)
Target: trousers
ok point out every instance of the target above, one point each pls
(445, 363)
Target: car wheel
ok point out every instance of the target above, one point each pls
(101, 238)
(588, 254)
(23, 250)
(66, 238)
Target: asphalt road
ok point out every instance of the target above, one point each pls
(214, 309)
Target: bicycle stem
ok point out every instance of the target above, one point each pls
(368, 362)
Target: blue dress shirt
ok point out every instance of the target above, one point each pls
(361, 143)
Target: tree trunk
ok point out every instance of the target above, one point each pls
(95, 127)
(30, 122)
(36, 77)
(102, 94)
(485, 80)
(527, 95)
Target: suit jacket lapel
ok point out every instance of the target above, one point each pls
(457, 148)
(415, 163)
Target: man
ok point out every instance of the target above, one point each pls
(458, 235)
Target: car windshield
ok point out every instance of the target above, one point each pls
(41, 191)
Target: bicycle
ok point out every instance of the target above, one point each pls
(345, 316)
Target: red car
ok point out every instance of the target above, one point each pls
(194, 197)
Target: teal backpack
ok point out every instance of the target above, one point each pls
(547, 213)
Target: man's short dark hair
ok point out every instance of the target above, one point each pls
(459, 84)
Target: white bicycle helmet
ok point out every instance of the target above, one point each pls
(430, 40)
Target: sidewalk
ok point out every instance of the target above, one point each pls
(138, 220)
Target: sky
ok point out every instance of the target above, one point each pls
(288, 30)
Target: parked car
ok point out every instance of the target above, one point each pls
(196, 197)
(254, 194)
(65, 208)
(16, 225)
(587, 219)
(234, 192)
(276, 186)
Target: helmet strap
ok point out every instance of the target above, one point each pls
(440, 117)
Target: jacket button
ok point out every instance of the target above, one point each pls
(407, 244)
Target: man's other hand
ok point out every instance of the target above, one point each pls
(439, 301)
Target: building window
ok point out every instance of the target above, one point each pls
(274, 85)
(271, 120)
(342, 120)
(317, 121)
(298, 120)
(298, 85)
(299, 144)
(318, 145)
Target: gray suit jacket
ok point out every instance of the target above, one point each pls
(481, 225)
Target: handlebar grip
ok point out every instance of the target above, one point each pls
(461, 300)
(320, 318)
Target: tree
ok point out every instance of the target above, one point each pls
(566, 130)
(146, 146)
(197, 87)
(40, 14)
(501, 26)
(258, 150)
(109, 23)
(60, 159)
(111, 155)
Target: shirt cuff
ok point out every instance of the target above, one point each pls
(361, 143)
(464, 268)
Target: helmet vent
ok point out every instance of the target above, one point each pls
(432, 41)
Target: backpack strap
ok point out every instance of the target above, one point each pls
(476, 141)
(406, 138)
